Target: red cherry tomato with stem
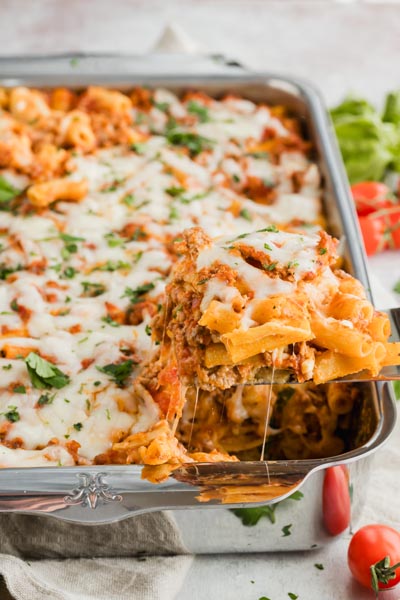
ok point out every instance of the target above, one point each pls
(373, 231)
(374, 557)
(370, 196)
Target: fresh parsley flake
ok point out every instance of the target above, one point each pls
(251, 516)
(175, 191)
(244, 213)
(45, 399)
(148, 329)
(199, 110)
(396, 287)
(6, 367)
(113, 265)
(113, 241)
(236, 178)
(319, 566)
(323, 250)
(270, 267)
(78, 426)
(12, 415)
(135, 295)
(19, 389)
(69, 273)
(44, 374)
(268, 247)
(7, 192)
(296, 495)
(194, 142)
(292, 596)
(286, 530)
(118, 372)
(108, 414)
(110, 321)
(91, 290)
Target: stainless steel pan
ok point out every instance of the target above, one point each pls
(94, 495)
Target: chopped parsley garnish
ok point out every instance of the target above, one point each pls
(7, 193)
(175, 191)
(12, 415)
(251, 516)
(244, 213)
(163, 106)
(270, 229)
(203, 281)
(396, 287)
(6, 367)
(44, 374)
(118, 372)
(5, 271)
(139, 148)
(296, 495)
(129, 200)
(173, 213)
(135, 295)
(112, 186)
(268, 247)
(236, 178)
(199, 110)
(97, 383)
(270, 267)
(91, 290)
(263, 597)
(113, 241)
(78, 426)
(19, 389)
(292, 264)
(108, 414)
(194, 142)
(45, 399)
(110, 321)
(292, 596)
(14, 305)
(319, 566)
(148, 329)
(113, 265)
(286, 530)
(323, 250)
(69, 273)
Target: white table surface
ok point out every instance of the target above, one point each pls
(341, 47)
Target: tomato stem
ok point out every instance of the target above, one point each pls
(382, 572)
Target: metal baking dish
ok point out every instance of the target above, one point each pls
(99, 495)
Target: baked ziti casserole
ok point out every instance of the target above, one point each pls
(102, 195)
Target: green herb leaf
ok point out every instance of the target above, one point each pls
(286, 530)
(6, 367)
(135, 295)
(45, 399)
(199, 110)
(251, 516)
(319, 566)
(323, 250)
(78, 426)
(19, 389)
(244, 213)
(91, 290)
(5, 271)
(71, 238)
(270, 267)
(396, 387)
(44, 374)
(292, 596)
(175, 191)
(113, 265)
(69, 273)
(194, 142)
(12, 415)
(296, 495)
(118, 372)
(396, 287)
(7, 191)
(110, 321)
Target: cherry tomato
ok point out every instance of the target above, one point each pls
(374, 557)
(391, 218)
(373, 229)
(370, 196)
(336, 509)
